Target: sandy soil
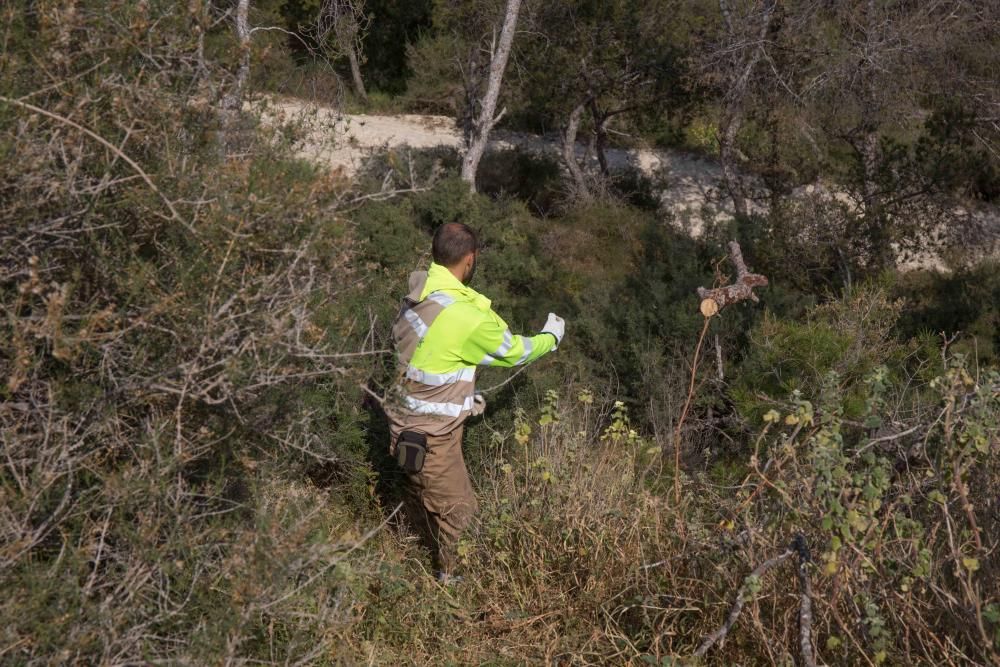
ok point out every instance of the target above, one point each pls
(691, 186)
(343, 142)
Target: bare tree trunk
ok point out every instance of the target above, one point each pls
(601, 143)
(349, 25)
(600, 135)
(340, 27)
(200, 24)
(487, 119)
(359, 84)
(569, 152)
(867, 146)
(869, 159)
(202, 68)
(729, 127)
(873, 219)
(732, 118)
(869, 154)
(234, 98)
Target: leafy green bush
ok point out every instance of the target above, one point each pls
(877, 496)
(850, 336)
(435, 86)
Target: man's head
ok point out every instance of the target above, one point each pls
(455, 247)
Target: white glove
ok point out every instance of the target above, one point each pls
(478, 405)
(556, 326)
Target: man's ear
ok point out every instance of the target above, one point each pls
(468, 267)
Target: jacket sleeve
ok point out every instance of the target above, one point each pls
(491, 343)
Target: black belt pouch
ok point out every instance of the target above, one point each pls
(411, 450)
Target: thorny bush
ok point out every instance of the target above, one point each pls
(173, 344)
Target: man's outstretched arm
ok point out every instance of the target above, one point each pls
(493, 344)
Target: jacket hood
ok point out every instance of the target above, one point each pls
(417, 281)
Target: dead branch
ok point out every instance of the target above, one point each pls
(365, 388)
(684, 411)
(805, 602)
(741, 290)
(741, 598)
(712, 301)
(719, 368)
(107, 144)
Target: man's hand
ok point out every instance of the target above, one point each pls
(478, 405)
(556, 326)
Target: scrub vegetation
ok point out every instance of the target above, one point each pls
(194, 334)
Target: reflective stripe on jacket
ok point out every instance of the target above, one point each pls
(443, 332)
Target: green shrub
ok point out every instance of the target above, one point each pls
(850, 336)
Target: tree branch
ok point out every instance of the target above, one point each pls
(741, 598)
(805, 602)
(174, 215)
(741, 290)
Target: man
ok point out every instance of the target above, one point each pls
(445, 329)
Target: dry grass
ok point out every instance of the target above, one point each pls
(581, 557)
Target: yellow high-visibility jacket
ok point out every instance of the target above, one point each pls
(444, 331)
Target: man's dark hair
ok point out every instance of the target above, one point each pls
(452, 242)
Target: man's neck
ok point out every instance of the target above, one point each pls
(445, 276)
(458, 272)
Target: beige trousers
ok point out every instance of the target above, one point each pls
(441, 503)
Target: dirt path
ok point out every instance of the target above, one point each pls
(344, 141)
(691, 188)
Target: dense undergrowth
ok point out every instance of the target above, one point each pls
(191, 473)
(837, 420)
